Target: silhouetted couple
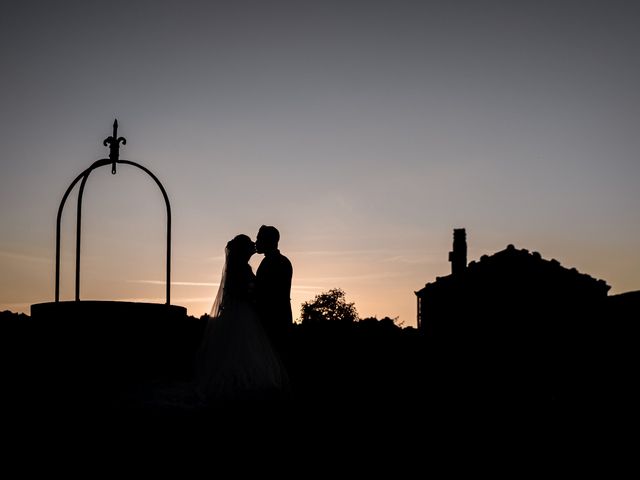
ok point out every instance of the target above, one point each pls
(245, 340)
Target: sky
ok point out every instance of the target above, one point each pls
(366, 131)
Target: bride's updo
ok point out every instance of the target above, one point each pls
(240, 249)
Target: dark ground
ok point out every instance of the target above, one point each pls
(366, 381)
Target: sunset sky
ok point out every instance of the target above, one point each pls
(364, 130)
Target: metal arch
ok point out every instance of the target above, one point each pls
(168, 205)
(84, 176)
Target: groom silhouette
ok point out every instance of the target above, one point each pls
(273, 289)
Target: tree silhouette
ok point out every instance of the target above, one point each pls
(329, 306)
(395, 321)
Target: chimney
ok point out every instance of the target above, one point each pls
(458, 257)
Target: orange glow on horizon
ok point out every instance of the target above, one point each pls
(379, 285)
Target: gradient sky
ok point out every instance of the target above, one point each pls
(365, 131)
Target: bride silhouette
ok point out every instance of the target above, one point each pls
(235, 360)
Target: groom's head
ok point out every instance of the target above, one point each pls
(267, 239)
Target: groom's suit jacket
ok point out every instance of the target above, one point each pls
(273, 296)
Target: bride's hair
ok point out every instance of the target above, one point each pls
(238, 251)
(239, 248)
(239, 241)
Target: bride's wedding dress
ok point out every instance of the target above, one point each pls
(236, 359)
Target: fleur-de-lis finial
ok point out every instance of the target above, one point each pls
(113, 142)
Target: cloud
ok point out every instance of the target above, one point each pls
(25, 257)
(339, 253)
(174, 300)
(219, 258)
(369, 276)
(313, 285)
(306, 288)
(179, 284)
(417, 260)
(381, 255)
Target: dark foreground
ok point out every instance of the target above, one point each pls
(368, 381)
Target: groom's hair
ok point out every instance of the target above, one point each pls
(270, 235)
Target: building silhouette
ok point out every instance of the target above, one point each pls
(510, 284)
(512, 324)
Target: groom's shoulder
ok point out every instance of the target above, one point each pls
(275, 259)
(284, 259)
